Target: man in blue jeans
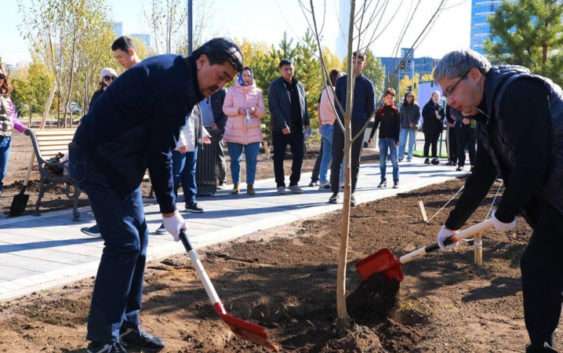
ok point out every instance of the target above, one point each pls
(134, 126)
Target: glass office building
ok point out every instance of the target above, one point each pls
(480, 29)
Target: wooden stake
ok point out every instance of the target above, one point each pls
(478, 251)
(423, 211)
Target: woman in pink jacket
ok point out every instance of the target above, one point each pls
(244, 107)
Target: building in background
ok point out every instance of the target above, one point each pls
(481, 10)
(143, 38)
(410, 66)
(117, 28)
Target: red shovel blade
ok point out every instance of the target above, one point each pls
(245, 329)
(382, 261)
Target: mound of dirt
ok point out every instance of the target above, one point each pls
(374, 300)
(357, 339)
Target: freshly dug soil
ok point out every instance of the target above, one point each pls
(374, 299)
(285, 280)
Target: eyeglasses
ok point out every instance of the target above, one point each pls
(450, 90)
(109, 78)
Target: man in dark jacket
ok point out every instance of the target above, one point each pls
(520, 138)
(134, 126)
(432, 125)
(290, 119)
(362, 110)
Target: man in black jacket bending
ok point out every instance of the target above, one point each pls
(520, 138)
(134, 126)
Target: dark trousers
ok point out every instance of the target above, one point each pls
(431, 140)
(185, 169)
(296, 141)
(542, 277)
(452, 145)
(118, 289)
(217, 140)
(338, 157)
(466, 140)
(317, 167)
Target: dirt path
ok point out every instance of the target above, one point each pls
(284, 279)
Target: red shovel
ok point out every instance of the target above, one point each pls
(247, 330)
(385, 262)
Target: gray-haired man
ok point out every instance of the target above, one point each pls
(520, 138)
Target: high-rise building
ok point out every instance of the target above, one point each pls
(117, 28)
(481, 10)
(410, 66)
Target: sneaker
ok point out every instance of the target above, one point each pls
(295, 189)
(236, 189)
(352, 200)
(96, 347)
(194, 208)
(313, 183)
(382, 184)
(333, 198)
(324, 185)
(396, 185)
(161, 230)
(93, 231)
(435, 161)
(140, 339)
(250, 189)
(426, 161)
(281, 190)
(409, 160)
(459, 169)
(400, 160)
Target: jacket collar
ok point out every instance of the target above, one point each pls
(194, 91)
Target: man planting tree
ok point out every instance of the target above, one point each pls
(520, 138)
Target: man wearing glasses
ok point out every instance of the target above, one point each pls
(520, 138)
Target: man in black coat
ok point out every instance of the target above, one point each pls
(134, 126)
(520, 138)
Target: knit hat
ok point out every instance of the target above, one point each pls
(107, 71)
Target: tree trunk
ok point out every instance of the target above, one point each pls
(341, 308)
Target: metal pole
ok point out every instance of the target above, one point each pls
(190, 27)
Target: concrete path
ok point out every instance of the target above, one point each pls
(47, 251)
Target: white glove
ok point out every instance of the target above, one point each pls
(502, 226)
(444, 234)
(174, 224)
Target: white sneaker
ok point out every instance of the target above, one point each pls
(296, 189)
(324, 186)
(281, 190)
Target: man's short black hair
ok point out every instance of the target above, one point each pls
(284, 62)
(359, 55)
(219, 51)
(123, 43)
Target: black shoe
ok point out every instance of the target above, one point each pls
(333, 198)
(383, 184)
(93, 231)
(161, 230)
(538, 349)
(396, 185)
(115, 347)
(426, 161)
(459, 169)
(143, 340)
(435, 161)
(194, 208)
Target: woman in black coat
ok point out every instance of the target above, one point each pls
(432, 125)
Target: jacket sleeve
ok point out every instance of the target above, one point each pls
(526, 102)
(370, 104)
(229, 107)
(161, 144)
(375, 125)
(476, 188)
(260, 109)
(306, 121)
(397, 130)
(278, 120)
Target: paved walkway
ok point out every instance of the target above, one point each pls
(47, 251)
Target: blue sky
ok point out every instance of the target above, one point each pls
(266, 21)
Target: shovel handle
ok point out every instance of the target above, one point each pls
(202, 274)
(462, 234)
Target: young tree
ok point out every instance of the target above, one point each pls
(528, 33)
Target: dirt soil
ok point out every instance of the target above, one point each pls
(284, 279)
(55, 198)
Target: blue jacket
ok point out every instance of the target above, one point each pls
(364, 99)
(135, 124)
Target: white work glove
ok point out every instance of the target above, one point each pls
(174, 224)
(502, 226)
(444, 234)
